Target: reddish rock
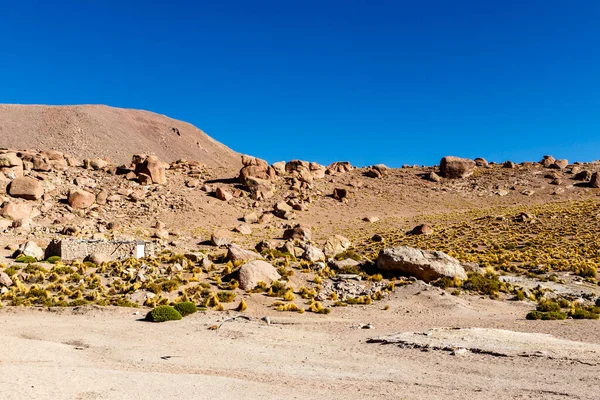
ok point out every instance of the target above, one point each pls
(26, 188)
(81, 199)
(456, 168)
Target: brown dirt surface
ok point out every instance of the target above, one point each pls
(108, 132)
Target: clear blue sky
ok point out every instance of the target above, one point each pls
(366, 81)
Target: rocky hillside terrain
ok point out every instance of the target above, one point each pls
(310, 251)
(108, 132)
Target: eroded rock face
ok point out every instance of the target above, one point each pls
(257, 271)
(422, 264)
(26, 188)
(456, 168)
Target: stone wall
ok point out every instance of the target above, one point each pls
(116, 250)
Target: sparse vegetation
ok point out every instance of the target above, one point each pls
(162, 314)
(185, 308)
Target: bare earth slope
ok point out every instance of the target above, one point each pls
(114, 133)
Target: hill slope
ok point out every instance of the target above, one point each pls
(114, 133)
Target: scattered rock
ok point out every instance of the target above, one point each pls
(456, 168)
(31, 249)
(5, 280)
(335, 245)
(547, 161)
(15, 211)
(223, 194)
(98, 258)
(339, 167)
(244, 229)
(260, 189)
(299, 232)
(340, 194)
(583, 176)
(595, 180)
(313, 254)
(236, 254)
(250, 274)
(560, 164)
(371, 219)
(81, 199)
(151, 166)
(481, 162)
(422, 230)
(422, 264)
(26, 188)
(433, 177)
(221, 237)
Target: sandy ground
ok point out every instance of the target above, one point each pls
(108, 353)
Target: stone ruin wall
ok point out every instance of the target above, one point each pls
(79, 250)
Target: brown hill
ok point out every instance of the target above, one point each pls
(108, 132)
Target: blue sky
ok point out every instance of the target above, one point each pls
(367, 81)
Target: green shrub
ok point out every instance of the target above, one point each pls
(585, 313)
(546, 316)
(350, 253)
(548, 306)
(23, 259)
(226, 297)
(488, 284)
(185, 308)
(162, 314)
(587, 272)
(53, 259)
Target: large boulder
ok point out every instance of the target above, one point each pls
(421, 264)
(26, 188)
(81, 198)
(9, 160)
(298, 232)
(313, 254)
(236, 254)
(151, 166)
(11, 165)
(595, 180)
(260, 189)
(336, 244)
(223, 194)
(547, 161)
(16, 211)
(560, 164)
(31, 249)
(5, 280)
(257, 271)
(256, 171)
(339, 167)
(456, 168)
(221, 237)
(250, 160)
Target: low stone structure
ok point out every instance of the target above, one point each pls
(79, 249)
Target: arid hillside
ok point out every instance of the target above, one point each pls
(108, 132)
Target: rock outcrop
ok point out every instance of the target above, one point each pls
(456, 168)
(421, 264)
